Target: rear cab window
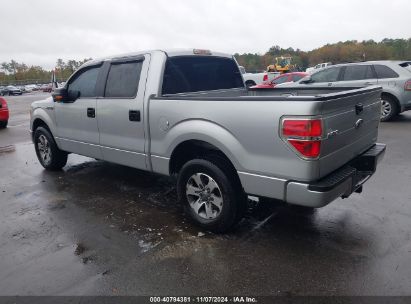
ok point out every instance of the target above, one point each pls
(184, 74)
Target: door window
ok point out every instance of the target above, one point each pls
(281, 79)
(123, 79)
(85, 82)
(327, 75)
(297, 77)
(358, 72)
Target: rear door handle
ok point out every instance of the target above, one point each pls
(91, 112)
(134, 115)
(368, 83)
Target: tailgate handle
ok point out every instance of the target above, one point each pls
(359, 108)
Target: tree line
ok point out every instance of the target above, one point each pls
(14, 72)
(341, 52)
(348, 51)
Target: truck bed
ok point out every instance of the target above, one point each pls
(245, 125)
(276, 94)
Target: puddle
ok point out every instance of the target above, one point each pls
(7, 149)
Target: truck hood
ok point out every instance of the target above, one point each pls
(48, 102)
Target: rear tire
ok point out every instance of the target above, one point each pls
(48, 154)
(389, 108)
(3, 124)
(211, 194)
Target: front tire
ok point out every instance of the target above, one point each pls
(3, 124)
(48, 154)
(389, 108)
(211, 194)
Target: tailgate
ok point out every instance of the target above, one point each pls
(351, 124)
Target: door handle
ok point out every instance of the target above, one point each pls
(134, 115)
(359, 107)
(330, 84)
(91, 112)
(368, 83)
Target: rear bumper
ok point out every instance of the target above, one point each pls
(340, 183)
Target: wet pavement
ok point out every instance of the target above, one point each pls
(103, 229)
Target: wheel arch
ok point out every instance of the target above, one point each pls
(40, 121)
(393, 97)
(250, 83)
(196, 135)
(194, 148)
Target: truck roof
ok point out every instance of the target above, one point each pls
(168, 52)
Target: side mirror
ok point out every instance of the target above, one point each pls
(65, 96)
(306, 79)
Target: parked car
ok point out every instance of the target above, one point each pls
(318, 67)
(31, 87)
(3, 91)
(21, 88)
(4, 113)
(46, 87)
(251, 79)
(12, 90)
(188, 114)
(284, 78)
(393, 76)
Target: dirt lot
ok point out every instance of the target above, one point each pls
(102, 229)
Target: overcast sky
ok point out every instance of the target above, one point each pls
(38, 32)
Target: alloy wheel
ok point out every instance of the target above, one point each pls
(44, 149)
(386, 108)
(204, 196)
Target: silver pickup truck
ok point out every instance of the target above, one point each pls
(187, 113)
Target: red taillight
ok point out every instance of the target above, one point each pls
(407, 86)
(304, 135)
(303, 127)
(265, 77)
(3, 103)
(308, 148)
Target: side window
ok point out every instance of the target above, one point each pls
(297, 77)
(358, 72)
(85, 82)
(384, 72)
(327, 75)
(281, 79)
(123, 79)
